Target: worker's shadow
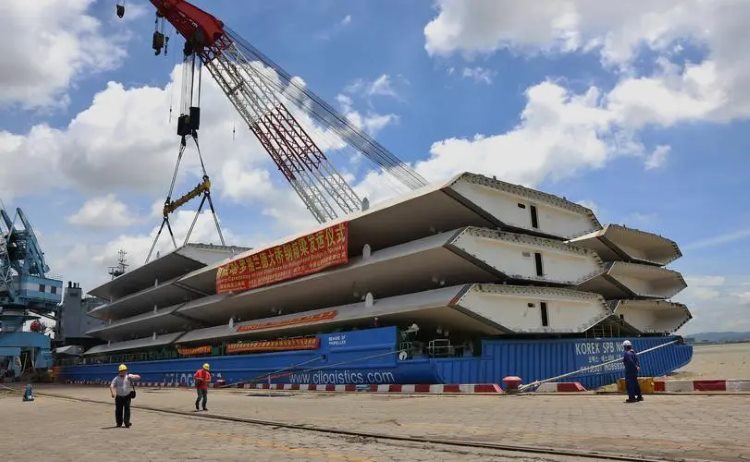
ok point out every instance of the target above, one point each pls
(110, 428)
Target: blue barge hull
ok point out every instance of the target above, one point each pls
(370, 357)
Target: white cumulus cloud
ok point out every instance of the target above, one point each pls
(721, 239)
(124, 141)
(242, 184)
(559, 134)
(717, 302)
(103, 212)
(381, 86)
(562, 131)
(48, 44)
(487, 25)
(714, 88)
(657, 158)
(478, 74)
(370, 120)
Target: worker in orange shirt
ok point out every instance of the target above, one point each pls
(202, 379)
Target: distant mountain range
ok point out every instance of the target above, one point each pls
(719, 337)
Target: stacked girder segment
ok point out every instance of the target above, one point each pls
(617, 242)
(301, 161)
(651, 316)
(468, 255)
(635, 279)
(415, 260)
(489, 309)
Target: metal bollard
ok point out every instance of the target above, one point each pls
(28, 394)
(512, 383)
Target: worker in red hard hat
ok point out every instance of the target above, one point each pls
(123, 391)
(632, 368)
(202, 379)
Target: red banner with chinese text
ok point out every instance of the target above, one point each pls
(307, 343)
(307, 319)
(305, 255)
(194, 351)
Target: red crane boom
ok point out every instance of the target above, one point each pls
(255, 86)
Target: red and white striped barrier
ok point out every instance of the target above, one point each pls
(668, 386)
(387, 388)
(689, 386)
(560, 387)
(107, 382)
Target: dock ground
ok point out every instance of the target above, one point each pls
(725, 361)
(669, 427)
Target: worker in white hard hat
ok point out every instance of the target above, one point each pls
(123, 391)
(632, 368)
(202, 379)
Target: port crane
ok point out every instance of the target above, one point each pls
(26, 292)
(24, 282)
(262, 92)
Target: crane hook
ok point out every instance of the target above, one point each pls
(158, 41)
(120, 9)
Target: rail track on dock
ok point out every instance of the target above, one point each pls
(386, 437)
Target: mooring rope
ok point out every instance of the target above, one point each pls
(536, 383)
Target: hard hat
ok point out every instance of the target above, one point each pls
(206, 366)
(626, 343)
(122, 368)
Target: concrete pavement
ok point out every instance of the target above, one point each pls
(672, 426)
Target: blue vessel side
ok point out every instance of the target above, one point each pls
(542, 359)
(368, 356)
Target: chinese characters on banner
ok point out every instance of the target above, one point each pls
(194, 351)
(307, 319)
(305, 255)
(307, 343)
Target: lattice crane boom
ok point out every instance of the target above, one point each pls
(300, 160)
(255, 86)
(302, 97)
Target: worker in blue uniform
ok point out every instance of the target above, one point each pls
(632, 367)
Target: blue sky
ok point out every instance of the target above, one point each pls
(640, 114)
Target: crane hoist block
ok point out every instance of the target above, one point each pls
(195, 117)
(188, 123)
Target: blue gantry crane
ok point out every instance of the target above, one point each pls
(26, 294)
